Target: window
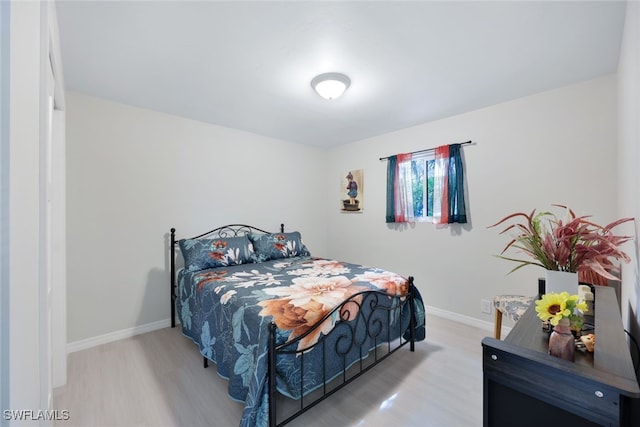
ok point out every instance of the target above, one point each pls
(426, 186)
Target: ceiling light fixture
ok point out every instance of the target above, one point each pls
(330, 85)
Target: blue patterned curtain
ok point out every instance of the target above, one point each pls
(447, 188)
(457, 210)
(392, 162)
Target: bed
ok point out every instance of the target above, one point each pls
(286, 329)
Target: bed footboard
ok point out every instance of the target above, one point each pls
(372, 325)
(345, 343)
(172, 255)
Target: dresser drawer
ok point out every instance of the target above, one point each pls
(571, 392)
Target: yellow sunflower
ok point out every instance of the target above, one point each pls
(553, 307)
(573, 302)
(582, 306)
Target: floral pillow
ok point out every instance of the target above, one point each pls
(200, 254)
(277, 246)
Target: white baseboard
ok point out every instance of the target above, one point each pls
(466, 320)
(141, 329)
(117, 335)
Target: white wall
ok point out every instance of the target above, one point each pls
(629, 157)
(151, 171)
(4, 204)
(26, 191)
(23, 205)
(132, 174)
(553, 147)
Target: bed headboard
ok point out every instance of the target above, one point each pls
(226, 231)
(231, 230)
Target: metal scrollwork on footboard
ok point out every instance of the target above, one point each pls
(337, 347)
(366, 328)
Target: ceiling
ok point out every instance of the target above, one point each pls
(248, 65)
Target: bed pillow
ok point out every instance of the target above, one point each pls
(200, 254)
(277, 246)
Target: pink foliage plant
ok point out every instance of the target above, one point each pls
(571, 244)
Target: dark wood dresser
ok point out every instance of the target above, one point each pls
(524, 386)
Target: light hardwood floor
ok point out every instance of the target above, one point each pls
(157, 379)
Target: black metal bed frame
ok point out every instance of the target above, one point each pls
(345, 333)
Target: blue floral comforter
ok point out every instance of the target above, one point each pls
(227, 311)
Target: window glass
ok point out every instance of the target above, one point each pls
(422, 185)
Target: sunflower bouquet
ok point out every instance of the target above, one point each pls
(553, 307)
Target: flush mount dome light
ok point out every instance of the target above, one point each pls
(330, 85)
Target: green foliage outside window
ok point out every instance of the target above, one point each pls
(417, 186)
(430, 180)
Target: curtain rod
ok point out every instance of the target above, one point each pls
(425, 150)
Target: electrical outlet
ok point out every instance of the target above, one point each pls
(486, 306)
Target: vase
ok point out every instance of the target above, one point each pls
(560, 281)
(561, 341)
